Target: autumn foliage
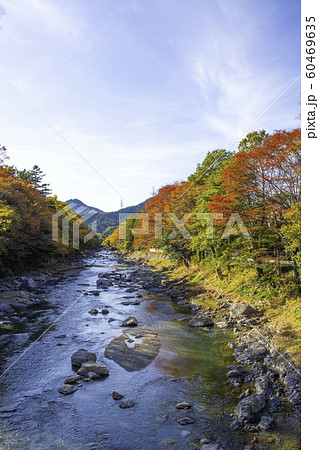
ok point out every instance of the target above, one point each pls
(26, 221)
(255, 189)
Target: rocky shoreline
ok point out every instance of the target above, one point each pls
(269, 380)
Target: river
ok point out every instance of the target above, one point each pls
(190, 367)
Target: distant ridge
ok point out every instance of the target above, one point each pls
(106, 221)
(80, 204)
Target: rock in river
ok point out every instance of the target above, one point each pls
(136, 355)
(183, 405)
(248, 408)
(236, 374)
(98, 369)
(126, 405)
(81, 356)
(103, 283)
(95, 292)
(201, 321)
(131, 321)
(72, 379)
(93, 311)
(250, 351)
(131, 302)
(186, 421)
(117, 396)
(67, 389)
(241, 309)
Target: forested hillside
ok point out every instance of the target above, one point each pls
(26, 209)
(251, 241)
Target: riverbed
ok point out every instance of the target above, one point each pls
(191, 366)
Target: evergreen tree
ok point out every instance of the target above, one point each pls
(36, 177)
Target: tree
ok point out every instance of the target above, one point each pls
(261, 184)
(37, 176)
(212, 163)
(202, 245)
(267, 177)
(252, 140)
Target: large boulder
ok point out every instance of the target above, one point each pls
(201, 321)
(103, 283)
(241, 309)
(250, 352)
(236, 374)
(98, 369)
(82, 356)
(131, 321)
(248, 408)
(134, 355)
(235, 377)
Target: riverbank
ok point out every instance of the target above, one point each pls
(279, 319)
(272, 375)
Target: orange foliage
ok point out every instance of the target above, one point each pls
(171, 199)
(260, 184)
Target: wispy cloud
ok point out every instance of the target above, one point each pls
(48, 18)
(233, 82)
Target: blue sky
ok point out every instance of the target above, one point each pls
(142, 89)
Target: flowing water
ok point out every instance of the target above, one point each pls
(191, 366)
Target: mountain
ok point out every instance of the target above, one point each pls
(78, 204)
(106, 222)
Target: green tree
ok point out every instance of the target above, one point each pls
(37, 176)
(252, 140)
(212, 164)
